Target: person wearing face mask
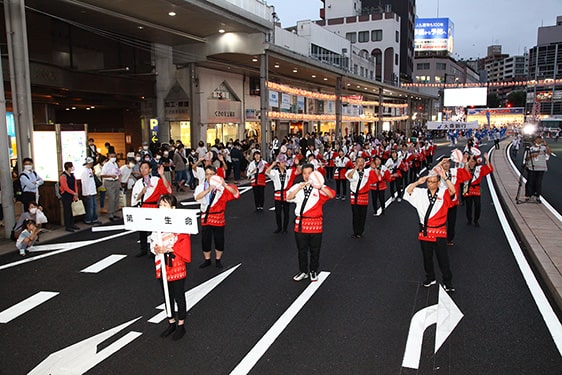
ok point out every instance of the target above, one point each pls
(89, 192)
(69, 194)
(473, 173)
(180, 169)
(30, 214)
(30, 182)
(127, 179)
(110, 175)
(92, 150)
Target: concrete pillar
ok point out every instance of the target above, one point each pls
(162, 56)
(264, 105)
(195, 106)
(18, 56)
(5, 174)
(338, 107)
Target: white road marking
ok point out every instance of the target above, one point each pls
(25, 305)
(550, 318)
(84, 355)
(265, 342)
(64, 247)
(244, 189)
(194, 203)
(524, 181)
(445, 315)
(104, 263)
(108, 228)
(196, 294)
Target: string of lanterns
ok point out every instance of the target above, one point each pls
(320, 96)
(542, 82)
(310, 117)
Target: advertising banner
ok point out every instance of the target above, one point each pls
(433, 34)
(451, 125)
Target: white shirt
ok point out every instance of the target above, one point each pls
(88, 182)
(110, 169)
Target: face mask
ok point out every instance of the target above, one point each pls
(172, 149)
(145, 148)
(158, 157)
(147, 159)
(28, 167)
(72, 169)
(192, 152)
(166, 154)
(33, 210)
(113, 160)
(138, 158)
(131, 165)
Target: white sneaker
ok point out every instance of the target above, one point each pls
(313, 276)
(300, 276)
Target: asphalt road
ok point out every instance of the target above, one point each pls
(357, 320)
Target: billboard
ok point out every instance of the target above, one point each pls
(433, 34)
(463, 97)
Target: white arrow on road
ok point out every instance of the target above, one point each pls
(446, 315)
(196, 294)
(82, 356)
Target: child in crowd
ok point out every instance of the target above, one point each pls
(27, 237)
(177, 252)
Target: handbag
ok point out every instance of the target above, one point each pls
(40, 217)
(97, 181)
(78, 208)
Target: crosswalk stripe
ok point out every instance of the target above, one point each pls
(24, 306)
(104, 263)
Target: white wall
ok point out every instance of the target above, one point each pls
(292, 41)
(341, 8)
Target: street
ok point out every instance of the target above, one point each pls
(355, 320)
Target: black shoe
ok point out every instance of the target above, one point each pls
(75, 227)
(171, 328)
(69, 230)
(277, 230)
(205, 264)
(476, 224)
(180, 332)
(218, 264)
(428, 282)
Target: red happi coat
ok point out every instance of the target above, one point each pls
(437, 223)
(329, 158)
(154, 191)
(257, 170)
(379, 182)
(214, 216)
(473, 179)
(360, 197)
(311, 219)
(280, 191)
(457, 179)
(181, 246)
(342, 165)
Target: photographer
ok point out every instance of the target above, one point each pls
(535, 162)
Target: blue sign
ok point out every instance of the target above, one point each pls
(433, 34)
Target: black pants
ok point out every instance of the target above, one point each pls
(329, 173)
(176, 291)
(210, 232)
(308, 242)
(341, 187)
(143, 238)
(259, 195)
(67, 210)
(534, 183)
(378, 195)
(472, 200)
(282, 214)
(451, 222)
(359, 213)
(396, 187)
(440, 249)
(26, 198)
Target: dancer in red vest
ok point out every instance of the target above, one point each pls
(176, 248)
(309, 197)
(213, 195)
(432, 204)
(146, 193)
(473, 173)
(342, 163)
(256, 171)
(378, 185)
(360, 180)
(283, 179)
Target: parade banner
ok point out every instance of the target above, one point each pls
(452, 125)
(160, 220)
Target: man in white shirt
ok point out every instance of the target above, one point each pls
(110, 174)
(89, 192)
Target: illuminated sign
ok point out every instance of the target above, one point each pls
(433, 34)
(153, 130)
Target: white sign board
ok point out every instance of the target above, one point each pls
(45, 155)
(160, 220)
(463, 97)
(451, 125)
